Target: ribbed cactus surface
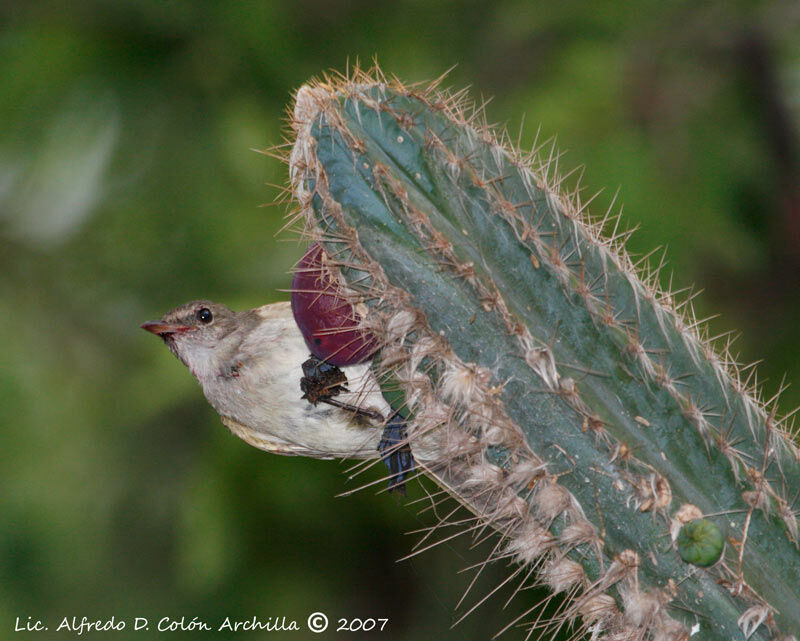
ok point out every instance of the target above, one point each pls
(575, 405)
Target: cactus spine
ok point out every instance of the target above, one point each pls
(578, 409)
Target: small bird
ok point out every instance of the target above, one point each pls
(250, 365)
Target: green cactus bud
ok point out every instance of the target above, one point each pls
(700, 542)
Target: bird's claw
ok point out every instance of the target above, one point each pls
(321, 380)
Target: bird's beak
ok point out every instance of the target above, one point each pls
(165, 329)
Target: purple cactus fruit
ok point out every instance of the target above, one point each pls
(329, 324)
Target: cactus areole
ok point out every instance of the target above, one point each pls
(576, 404)
(329, 323)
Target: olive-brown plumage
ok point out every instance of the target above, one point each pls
(249, 366)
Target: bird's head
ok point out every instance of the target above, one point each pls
(195, 332)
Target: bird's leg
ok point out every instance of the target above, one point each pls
(396, 452)
(322, 381)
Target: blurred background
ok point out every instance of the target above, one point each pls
(129, 184)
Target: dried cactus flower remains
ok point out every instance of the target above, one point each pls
(575, 403)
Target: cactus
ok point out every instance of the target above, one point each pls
(576, 407)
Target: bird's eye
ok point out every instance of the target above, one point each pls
(204, 315)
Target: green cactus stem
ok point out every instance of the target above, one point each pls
(575, 404)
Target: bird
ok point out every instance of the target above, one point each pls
(250, 365)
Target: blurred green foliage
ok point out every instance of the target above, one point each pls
(128, 185)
